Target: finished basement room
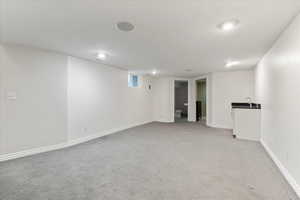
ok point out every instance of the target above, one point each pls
(149, 100)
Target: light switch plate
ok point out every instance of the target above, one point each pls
(11, 95)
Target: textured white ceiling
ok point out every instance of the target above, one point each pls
(169, 35)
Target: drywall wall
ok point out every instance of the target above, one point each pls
(228, 87)
(222, 88)
(50, 100)
(277, 89)
(163, 99)
(34, 98)
(99, 99)
(1, 99)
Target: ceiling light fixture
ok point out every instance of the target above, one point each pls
(154, 72)
(230, 64)
(101, 56)
(228, 25)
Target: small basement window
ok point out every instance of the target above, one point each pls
(133, 80)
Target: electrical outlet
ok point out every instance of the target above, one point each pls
(11, 95)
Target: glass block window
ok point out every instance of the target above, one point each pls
(133, 80)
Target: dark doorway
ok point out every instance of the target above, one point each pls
(201, 101)
(181, 101)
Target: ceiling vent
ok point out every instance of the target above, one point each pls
(125, 26)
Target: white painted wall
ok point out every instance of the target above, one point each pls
(99, 100)
(277, 86)
(38, 116)
(163, 99)
(222, 89)
(63, 100)
(1, 99)
(228, 87)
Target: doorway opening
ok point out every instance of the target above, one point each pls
(181, 101)
(201, 111)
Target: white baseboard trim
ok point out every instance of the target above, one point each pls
(282, 169)
(103, 133)
(164, 121)
(220, 127)
(69, 143)
(19, 154)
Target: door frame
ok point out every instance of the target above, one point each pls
(173, 97)
(196, 94)
(208, 98)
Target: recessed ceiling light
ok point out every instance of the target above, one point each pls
(101, 56)
(154, 72)
(228, 25)
(125, 26)
(230, 64)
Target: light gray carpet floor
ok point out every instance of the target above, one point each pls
(184, 161)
